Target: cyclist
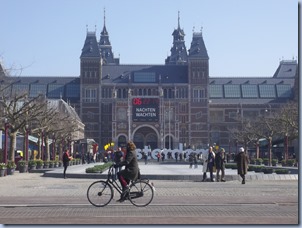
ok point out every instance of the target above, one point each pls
(131, 169)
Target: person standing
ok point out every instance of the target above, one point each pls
(158, 156)
(211, 162)
(66, 158)
(205, 164)
(220, 165)
(242, 164)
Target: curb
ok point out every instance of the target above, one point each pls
(255, 177)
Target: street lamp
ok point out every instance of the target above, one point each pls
(53, 146)
(42, 145)
(129, 115)
(26, 141)
(6, 126)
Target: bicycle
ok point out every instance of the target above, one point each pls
(100, 193)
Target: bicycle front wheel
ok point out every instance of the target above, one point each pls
(100, 193)
(141, 193)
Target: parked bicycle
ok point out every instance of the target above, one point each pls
(100, 193)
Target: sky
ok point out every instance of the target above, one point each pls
(242, 37)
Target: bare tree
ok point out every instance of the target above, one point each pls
(18, 109)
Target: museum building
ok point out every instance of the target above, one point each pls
(163, 106)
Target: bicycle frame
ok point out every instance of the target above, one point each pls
(113, 182)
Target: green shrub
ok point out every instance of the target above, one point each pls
(282, 171)
(265, 161)
(11, 165)
(283, 162)
(253, 161)
(291, 162)
(251, 168)
(39, 162)
(230, 166)
(259, 161)
(32, 163)
(274, 162)
(258, 168)
(99, 168)
(267, 170)
(22, 163)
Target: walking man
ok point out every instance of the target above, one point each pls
(242, 164)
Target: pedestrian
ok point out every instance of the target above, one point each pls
(163, 156)
(117, 158)
(131, 171)
(205, 164)
(66, 158)
(211, 162)
(145, 157)
(242, 163)
(176, 156)
(158, 156)
(220, 165)
(191, 159)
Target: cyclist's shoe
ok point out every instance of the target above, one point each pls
(124, 194)
(121, 200)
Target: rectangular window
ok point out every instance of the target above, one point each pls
(215, 91)
(73, 90)
(198, 95)
(55, 91)
(284, 91)
(90, 95)
(232, 91)
(144, 77)
(267, 91)
(249, 91)
(37, 89)
(20, 88)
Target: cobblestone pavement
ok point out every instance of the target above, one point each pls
(29, 198)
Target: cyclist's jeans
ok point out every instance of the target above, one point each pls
(122, 180)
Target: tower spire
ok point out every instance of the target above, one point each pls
(104, 16)
(178, 20)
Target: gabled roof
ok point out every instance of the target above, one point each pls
(198, 48)
(286, 69)
(90, 48)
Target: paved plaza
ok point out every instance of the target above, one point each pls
(47, 198)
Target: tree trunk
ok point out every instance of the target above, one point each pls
(46, 147)
(39, 148)
(13, 139)
(257, 149)
(270, 151)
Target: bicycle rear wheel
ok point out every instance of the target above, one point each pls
(100, 193)
(141, 193)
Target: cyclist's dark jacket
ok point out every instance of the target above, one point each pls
(131, 165)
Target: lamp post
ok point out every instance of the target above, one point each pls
(42, 146)
(129, 114)
(6, 126)
(286, 147)
(53, 146)
(26, 141)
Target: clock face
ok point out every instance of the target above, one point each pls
(122, 114)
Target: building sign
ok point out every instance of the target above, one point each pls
(145, 109)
